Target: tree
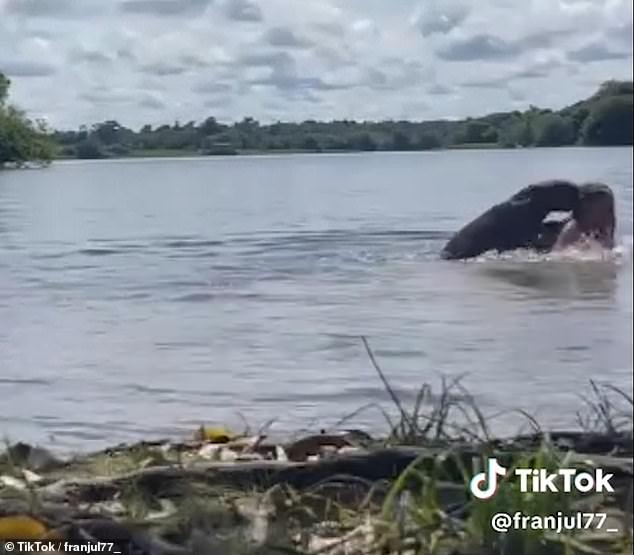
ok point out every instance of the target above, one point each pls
(110, 132)
(310, 143)
(553, 130)
(517, 132)
(21, 140)
(89, 149)
(578, 117)
(400, 141)
(210, 127)
(362, 141)
(4, 87)
(475, 132)
(428, 141)
(615, 88)
(247, 125)
(609, 122)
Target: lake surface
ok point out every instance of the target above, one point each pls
(142, 297)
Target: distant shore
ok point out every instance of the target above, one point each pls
(176, 153)
(603, 119)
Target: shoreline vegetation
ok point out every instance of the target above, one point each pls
(603, 119)
(335, 492)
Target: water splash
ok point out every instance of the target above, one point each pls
(620, 254)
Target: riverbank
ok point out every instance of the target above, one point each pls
(165, 154)
(176, 153)
(331, 493)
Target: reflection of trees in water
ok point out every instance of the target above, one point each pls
(3, 228)
(587, 279)
(7, 211)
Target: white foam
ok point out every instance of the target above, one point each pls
(588, 252)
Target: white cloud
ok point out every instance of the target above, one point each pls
(365, 26)
(284, 37)
(157, 61)
(242, 10)
(439, 16)
(26, 68)
(163, 8)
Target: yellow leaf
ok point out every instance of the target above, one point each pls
(21, 527)
(54, 535)
(214, 435)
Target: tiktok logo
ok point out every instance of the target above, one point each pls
(484, 484)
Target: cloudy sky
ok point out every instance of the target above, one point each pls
(156, 61)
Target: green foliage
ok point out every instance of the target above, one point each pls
(89, 149)
(418, 508)
(553, 130)
(310, 143)
(401, 141)
(510, 499)
(362, 142)
(428, 141)
(476, 132)
(4, 87)
(111, 132)
(210, 127)
(600, 119)
(610, 122)
(21, 140)
(615, 88)
(517, 131)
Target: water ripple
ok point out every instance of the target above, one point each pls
(144, 298)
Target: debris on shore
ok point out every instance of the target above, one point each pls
(330, 493)
(338, 492)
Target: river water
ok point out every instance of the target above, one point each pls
(141, 297)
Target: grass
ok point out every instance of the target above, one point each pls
(607, 409)
(414, 519)
(418, 520)
(415, 516)
(420, 425)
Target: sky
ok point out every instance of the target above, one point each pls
(77, 62)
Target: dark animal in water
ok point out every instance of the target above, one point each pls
(516, 223)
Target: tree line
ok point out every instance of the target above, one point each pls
(604, 119)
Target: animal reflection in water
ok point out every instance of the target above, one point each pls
(568, 258)
(562, 278)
